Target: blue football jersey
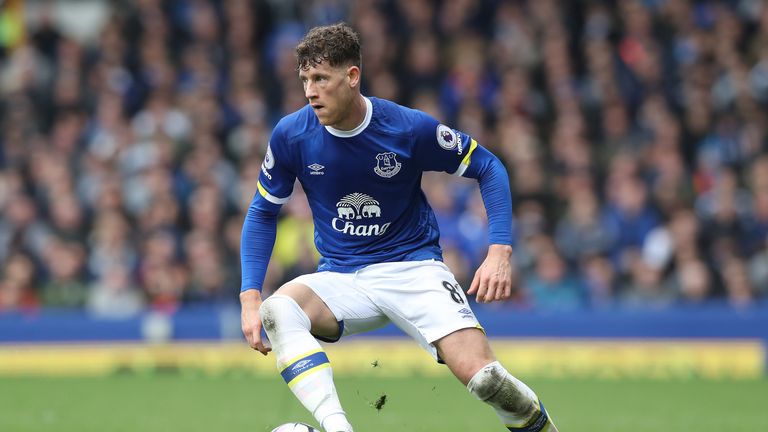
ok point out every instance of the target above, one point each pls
(364, 185)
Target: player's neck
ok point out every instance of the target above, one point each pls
(356, 115)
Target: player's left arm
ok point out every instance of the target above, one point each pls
(440, 148)
(493, 279)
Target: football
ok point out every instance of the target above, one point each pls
(295, 427)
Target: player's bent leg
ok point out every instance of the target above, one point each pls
(323, 321)
(300, 359)
(468, 355)
(465, 352)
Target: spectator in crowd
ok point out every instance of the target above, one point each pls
(600, 281)
(17, 285)
(738, 287)
(113, 294)
(693, 281)
(581, 233)
(553, 287)
(208, 273)
(109, 243)
(646, 287)
(65, 267)
(629, 218)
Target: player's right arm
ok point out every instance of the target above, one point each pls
(250, 301)
(258, 235)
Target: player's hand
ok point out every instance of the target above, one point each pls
(493, 280)
(250, 301)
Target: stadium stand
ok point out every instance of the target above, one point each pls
(634, 134)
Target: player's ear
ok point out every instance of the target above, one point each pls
(353, 76)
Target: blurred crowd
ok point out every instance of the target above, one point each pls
(634, 132)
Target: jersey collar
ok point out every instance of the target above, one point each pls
(357, 130)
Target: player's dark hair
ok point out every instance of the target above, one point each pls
(337, 44)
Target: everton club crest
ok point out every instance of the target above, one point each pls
(387, 164)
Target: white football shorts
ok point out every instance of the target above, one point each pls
(422, 298)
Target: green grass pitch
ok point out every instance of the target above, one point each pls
(193, 402)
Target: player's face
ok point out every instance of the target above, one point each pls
(331, 92)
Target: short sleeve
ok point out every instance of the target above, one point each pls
(440, 147)
(276, 178)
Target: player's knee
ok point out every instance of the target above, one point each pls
(268, 312)
(279, 311)
(496, 387)
(467, 368)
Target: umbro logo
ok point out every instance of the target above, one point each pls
(466, 313)
(301, 364)
(316, 168)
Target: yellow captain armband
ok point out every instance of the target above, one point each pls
(269, 197)
(467, 159)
